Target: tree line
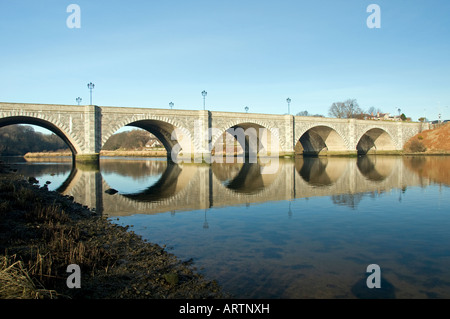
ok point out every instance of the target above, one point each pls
(17, 140)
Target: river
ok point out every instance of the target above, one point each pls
(308, 230)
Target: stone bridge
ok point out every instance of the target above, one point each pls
(192, 135)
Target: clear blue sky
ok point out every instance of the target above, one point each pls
(243, 53)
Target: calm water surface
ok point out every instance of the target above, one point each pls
(308, 231)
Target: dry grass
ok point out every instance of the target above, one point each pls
(65, 244)
(16, 283)
(118, 153)
(48, 240)
(47, 154)
(127, 153)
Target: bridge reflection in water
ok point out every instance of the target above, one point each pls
(164, 187)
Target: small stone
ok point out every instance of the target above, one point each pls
(171, 278)
(111, 191)
(33, 180)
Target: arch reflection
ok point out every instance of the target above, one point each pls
(146, 180)
(375, 168)
(63, 187)
(165, 187)
(320, 172)
(242, 178)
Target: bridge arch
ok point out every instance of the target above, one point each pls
(320, 140)
(254, 136)
(375, 139)
(75, 145)
(175, 138)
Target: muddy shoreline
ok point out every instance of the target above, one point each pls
(46, 232)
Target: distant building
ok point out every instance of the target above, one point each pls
(153, 143)
(384, 117)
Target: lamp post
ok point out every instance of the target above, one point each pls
(78, 99)
(91, 87)
(204, 93)
(288, 100)
(171, 105)
(246, 109)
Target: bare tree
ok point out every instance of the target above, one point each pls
(303, 113)
(347, 109)
(306, 113)
(337, 109)
(372, 110)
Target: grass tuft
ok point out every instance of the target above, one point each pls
(16, 283)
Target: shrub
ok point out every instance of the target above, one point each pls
(417, 146)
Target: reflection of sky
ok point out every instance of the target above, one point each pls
(128, 185)
(57, 175)
(55, 180)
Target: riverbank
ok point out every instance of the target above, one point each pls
(42, 232)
